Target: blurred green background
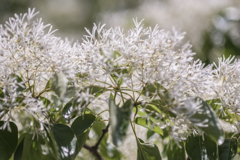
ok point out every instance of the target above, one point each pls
(212, 26)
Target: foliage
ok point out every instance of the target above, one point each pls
(57, 98)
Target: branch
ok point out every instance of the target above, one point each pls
(94, 148)
(93, 151)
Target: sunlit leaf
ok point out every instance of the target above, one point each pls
(199, 149)
(213, 103)
(69, 110)
(8, 140)
(174, 152)
(150, 133)
(66, 141)
(46, 102)
(49, 84)
(149, 124)
(80, 127)
(147, 151)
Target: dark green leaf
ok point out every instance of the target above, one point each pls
(150, 133)
(152, 89)
(59, 84)
(68, 110)
(82, 123)
(1, 93)
(31, 148)
(19, 150)
(119, 120)
(66, 141)
(228, 149)
(51, 143)
(213, 128)
(80, 127)
(8, 140)
(147, 151)
(174, 152)
(149, 124)
(199, 149)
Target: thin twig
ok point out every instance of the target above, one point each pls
(104, 131)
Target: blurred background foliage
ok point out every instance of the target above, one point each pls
(211, 26)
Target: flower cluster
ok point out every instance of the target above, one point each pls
(146, 65)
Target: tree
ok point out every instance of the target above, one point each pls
(54, 93)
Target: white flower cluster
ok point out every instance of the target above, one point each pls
(116, 60)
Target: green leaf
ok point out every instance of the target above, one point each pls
(57, 104)
(228, 149)
(68, 110)
(149, 124)
(8, 140)
(152, 89)
(199, 149)
(150, 133)
(51, 143)
(213, 104)
(31, 148)
(80, 127)
(59, 84)
(82, 123)
(147, 151)
(46, 102)
(95, 90)
(70, 92)
(19, 150)
(174, 152)
(66, 141)
(49, 84)
(161, 105)
(21, 87)
(213, 128)
(108, 150)
(119, 120)
(116, 54)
